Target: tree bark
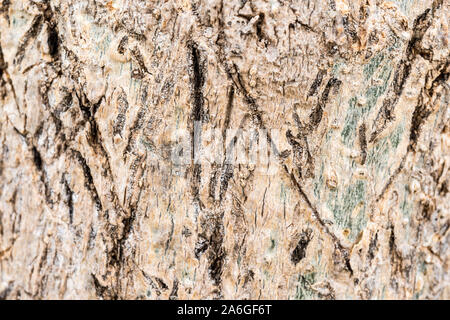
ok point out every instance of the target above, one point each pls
(351, 98)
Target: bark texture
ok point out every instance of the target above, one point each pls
(356, 204)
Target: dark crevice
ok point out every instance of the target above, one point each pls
(317, 82)
(103, 291)
(422, 111)
(349, 28)
(127, 228)
(216, 254)
(38, 162)
(259, 29)
(122, 45)
(140, 60)
(174, 293)
(372, 247)
(300, 250)
(88, 179)
(393, 250)
(88, 109)
(53, 41)
(316, 115)
(37, 159)
(136, 126)
(197, 82)
(213, 181)
(161, 283)
(301, 156)
(119, 123)
(305, 25)
(52, 36)
(4, 8)
(197, 79)
(32, 32)
(229, 109)
(151, 283)
(200, 246)
(3, 64)
(362, 142)
(227, 174)
(69, 198)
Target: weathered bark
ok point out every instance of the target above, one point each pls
(354, 203)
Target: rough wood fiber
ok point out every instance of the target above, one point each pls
(355, 204)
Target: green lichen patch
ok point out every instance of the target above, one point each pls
(318, 184)
(396, 136)
(372, 66)
(355, 113)
(344, 206)
(303, 288)
(406, 206)
(377, 156)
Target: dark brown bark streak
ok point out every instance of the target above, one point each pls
(197, 81)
